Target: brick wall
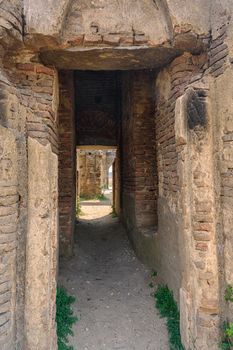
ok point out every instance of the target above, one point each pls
(139, 180)
(67, 162)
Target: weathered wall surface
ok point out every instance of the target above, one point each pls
(93, 168)
(42, 240)
(138, 150)
(8, 236)
(91, 173)
(67, 162)
(11, 23)
(11, 186)
(221, 94)
(37, 92)
(221, 108)
(130, 22)
(184, 247)
(22, 116)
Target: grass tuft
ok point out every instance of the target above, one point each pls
(64, 318)
(227, 338)
(167, 307)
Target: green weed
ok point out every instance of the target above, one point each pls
(78, 208)
(64, 318)
(229, 293)
(227, 329)
(113, 213)
(167, 307)
(227, 338)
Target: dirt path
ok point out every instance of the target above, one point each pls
(113, 298)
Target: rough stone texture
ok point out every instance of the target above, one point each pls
(221, 95)
(11, 23)
(21, 116)
(123, 58)
(41, 263)
(200, 289)
(68, 35)
(8, 236)
(130, 21)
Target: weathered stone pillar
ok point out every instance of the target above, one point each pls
(37, 89)
(199, 293)
(8, 237)
(41, 247)
(221, 94)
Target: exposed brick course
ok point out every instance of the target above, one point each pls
(67, 162)
(138, 148)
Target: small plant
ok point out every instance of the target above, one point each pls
(78, 207)
(113, 213)
(151, 285)
(167, 307)
(229, 293)
(64, 318)
(154, 274)
(101, 197)
(227, 339)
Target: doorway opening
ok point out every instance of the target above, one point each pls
(94, 182)
(107, 136)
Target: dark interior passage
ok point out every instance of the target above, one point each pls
(101, 109)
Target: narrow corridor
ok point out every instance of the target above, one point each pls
(113, 302)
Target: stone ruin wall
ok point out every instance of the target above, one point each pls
(139, 182)
(92, 175)
(92, 171)
(28, 198)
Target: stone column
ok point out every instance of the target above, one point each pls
(8, 237)
(199, 293)
(41, 258)
(37, 90)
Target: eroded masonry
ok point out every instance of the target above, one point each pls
(152, 80)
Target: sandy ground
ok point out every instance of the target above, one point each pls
(113, 302)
